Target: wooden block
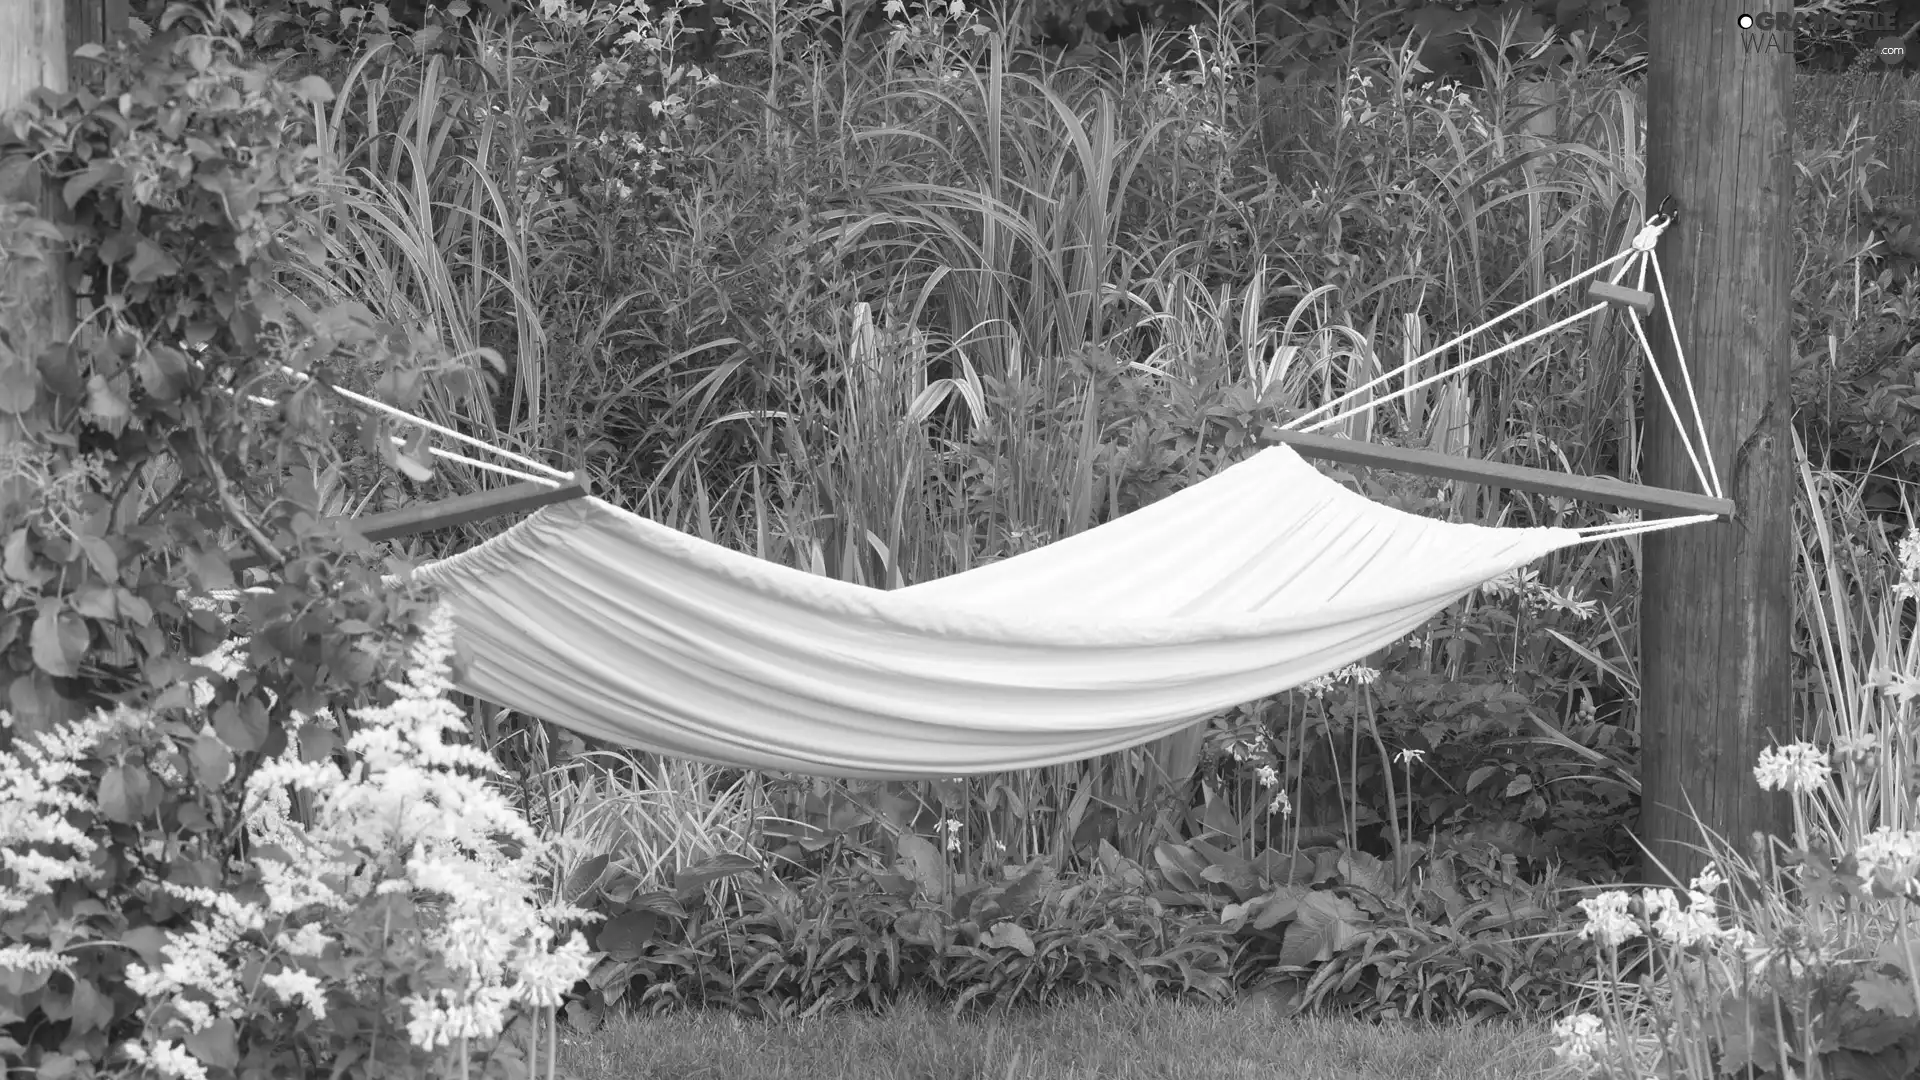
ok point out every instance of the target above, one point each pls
(1622, 296)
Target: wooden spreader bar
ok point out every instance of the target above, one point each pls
(1598, 489)
(520, 498)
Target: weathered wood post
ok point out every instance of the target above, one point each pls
(33, 54)
(36, 40)
(1716, 608)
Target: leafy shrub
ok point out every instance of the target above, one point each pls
(1856, 371)
(235, 842)
(857, 935)
(1444, 933)
(1458, 932)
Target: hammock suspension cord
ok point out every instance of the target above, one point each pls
(1640, 255)
(549, 475)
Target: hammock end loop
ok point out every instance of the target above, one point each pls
(1649, 235)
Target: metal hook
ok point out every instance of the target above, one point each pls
(1667, 211)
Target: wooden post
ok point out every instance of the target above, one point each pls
(33, 54)
(95, 20)
(36, 39)
(1716, 604)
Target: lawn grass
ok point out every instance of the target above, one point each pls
(1113, 1040)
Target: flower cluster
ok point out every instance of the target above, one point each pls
(1612, 922)
(1897, 686)
(1524, 585)
(413, 817)
(1352, 674)
(39, 846)
(952, 827)
(1889, 858)
(224, 662)
(1581, 1038)
(1797, 767)
(1608, 920)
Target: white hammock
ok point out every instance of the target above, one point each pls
(1238, 587)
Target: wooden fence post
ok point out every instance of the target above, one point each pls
(37, 38)
(33, 54)
(36, 41)
(1716, 609)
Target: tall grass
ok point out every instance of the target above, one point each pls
(433, 219)
(1860, 632)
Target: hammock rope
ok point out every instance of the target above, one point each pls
(1642, 245)
(442, 454)
(1300, 422)
(550, 474)
(1640, 254)
(1680, 354)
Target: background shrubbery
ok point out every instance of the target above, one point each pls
(882, 306)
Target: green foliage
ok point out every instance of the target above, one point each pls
(189, 179)
(1855, 1014)
(859, 935)
(1459, 931)
(1417, 752)
(184, 181)
(1299, 35)
(309, 34)
(1445, 932)
(1856, 372)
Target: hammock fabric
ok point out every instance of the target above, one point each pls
(1246, 584)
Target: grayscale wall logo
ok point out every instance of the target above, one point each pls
(1773, 31)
